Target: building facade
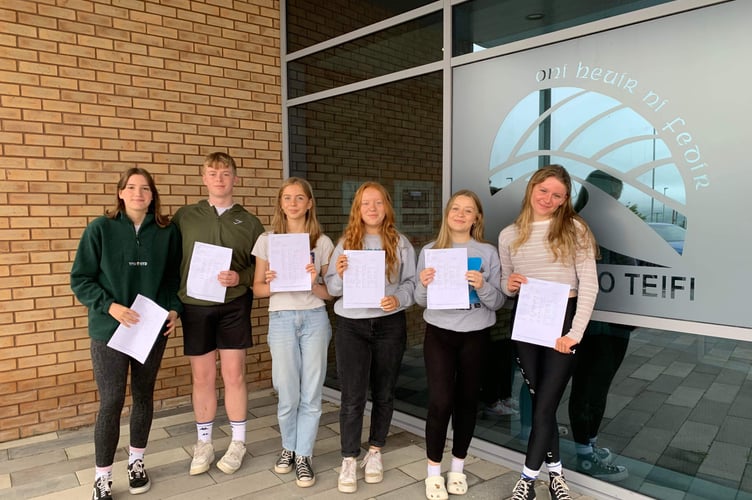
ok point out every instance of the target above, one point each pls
(427, 98)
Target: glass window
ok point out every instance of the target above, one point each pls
(390, 134)
(670, 411)
(407, 45)
(482, 24)
(309, 23)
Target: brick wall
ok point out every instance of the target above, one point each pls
(88, 89)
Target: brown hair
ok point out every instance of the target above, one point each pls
(279, 219)
(565, 236)
(155, 207)
(352, 238)
(444, 240)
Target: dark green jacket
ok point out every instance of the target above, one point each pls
(114, 264)
(236, 228)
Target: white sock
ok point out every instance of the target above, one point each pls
(103, 472)
(434, 470)
(554, 467)
(205, 431)
(458, 464)
(135, 454)
(238, 431)
(530, 473)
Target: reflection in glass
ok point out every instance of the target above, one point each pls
(310, 22)
(407, 45)
(482, 24)
(391, 134)
(588, 132)
(676, 415)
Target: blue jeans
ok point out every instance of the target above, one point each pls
(369, 354)
(298, 341)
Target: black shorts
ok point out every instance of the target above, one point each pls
(220, 326)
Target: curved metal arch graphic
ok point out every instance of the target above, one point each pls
(587, 131)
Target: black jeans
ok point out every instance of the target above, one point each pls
(453, 369)
(546, 373)
(369, 355)
(111, 374)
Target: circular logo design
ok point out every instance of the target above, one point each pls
(626, 182)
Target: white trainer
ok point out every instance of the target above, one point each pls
(233, 457)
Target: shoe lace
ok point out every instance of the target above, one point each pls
(102, 487)
(303, 467)
(371, 459)
(348, 468)
(521, 489)
(559, 488)
(136, 469)
(286, 457)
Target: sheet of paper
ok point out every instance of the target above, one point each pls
(363, 282)
(137, 340)
(449, 288)
(289, 254)
(541, 306)
(207, 261)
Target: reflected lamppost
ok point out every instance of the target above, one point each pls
(663, 213)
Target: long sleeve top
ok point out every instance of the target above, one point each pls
(534, 260)
(114, 263)
(401, 286)
(236, 228)
(484, 302)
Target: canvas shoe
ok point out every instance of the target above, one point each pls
(138, 479)
(284, 462)
(524, 490)
(304, 476)
(102, 489)
(593, 466)
(558, 488)
(348, 481)
(374, 470)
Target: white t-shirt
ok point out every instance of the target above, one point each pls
(296, 301)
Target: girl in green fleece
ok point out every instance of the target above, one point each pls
(131, 250)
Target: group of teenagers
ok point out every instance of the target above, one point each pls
(135, 249)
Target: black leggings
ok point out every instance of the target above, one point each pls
(454, 365)
(546, 373)
(111, 373)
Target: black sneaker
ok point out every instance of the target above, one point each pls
(558, 487)
(285, 462)
(592, 465)
(304, 476)
(102, 489)
(138, 479)
(524, 490)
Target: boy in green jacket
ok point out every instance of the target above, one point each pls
(209, 327)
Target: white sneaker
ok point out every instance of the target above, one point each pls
(203, 456)
(233, 458)
(499, 409)
(372, 464)
(348, 480)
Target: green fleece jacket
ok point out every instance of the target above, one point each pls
(114, 264)
(236, 228)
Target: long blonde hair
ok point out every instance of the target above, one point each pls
(279, 219)
(352, 238)
(444, 239)
(568, 233)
